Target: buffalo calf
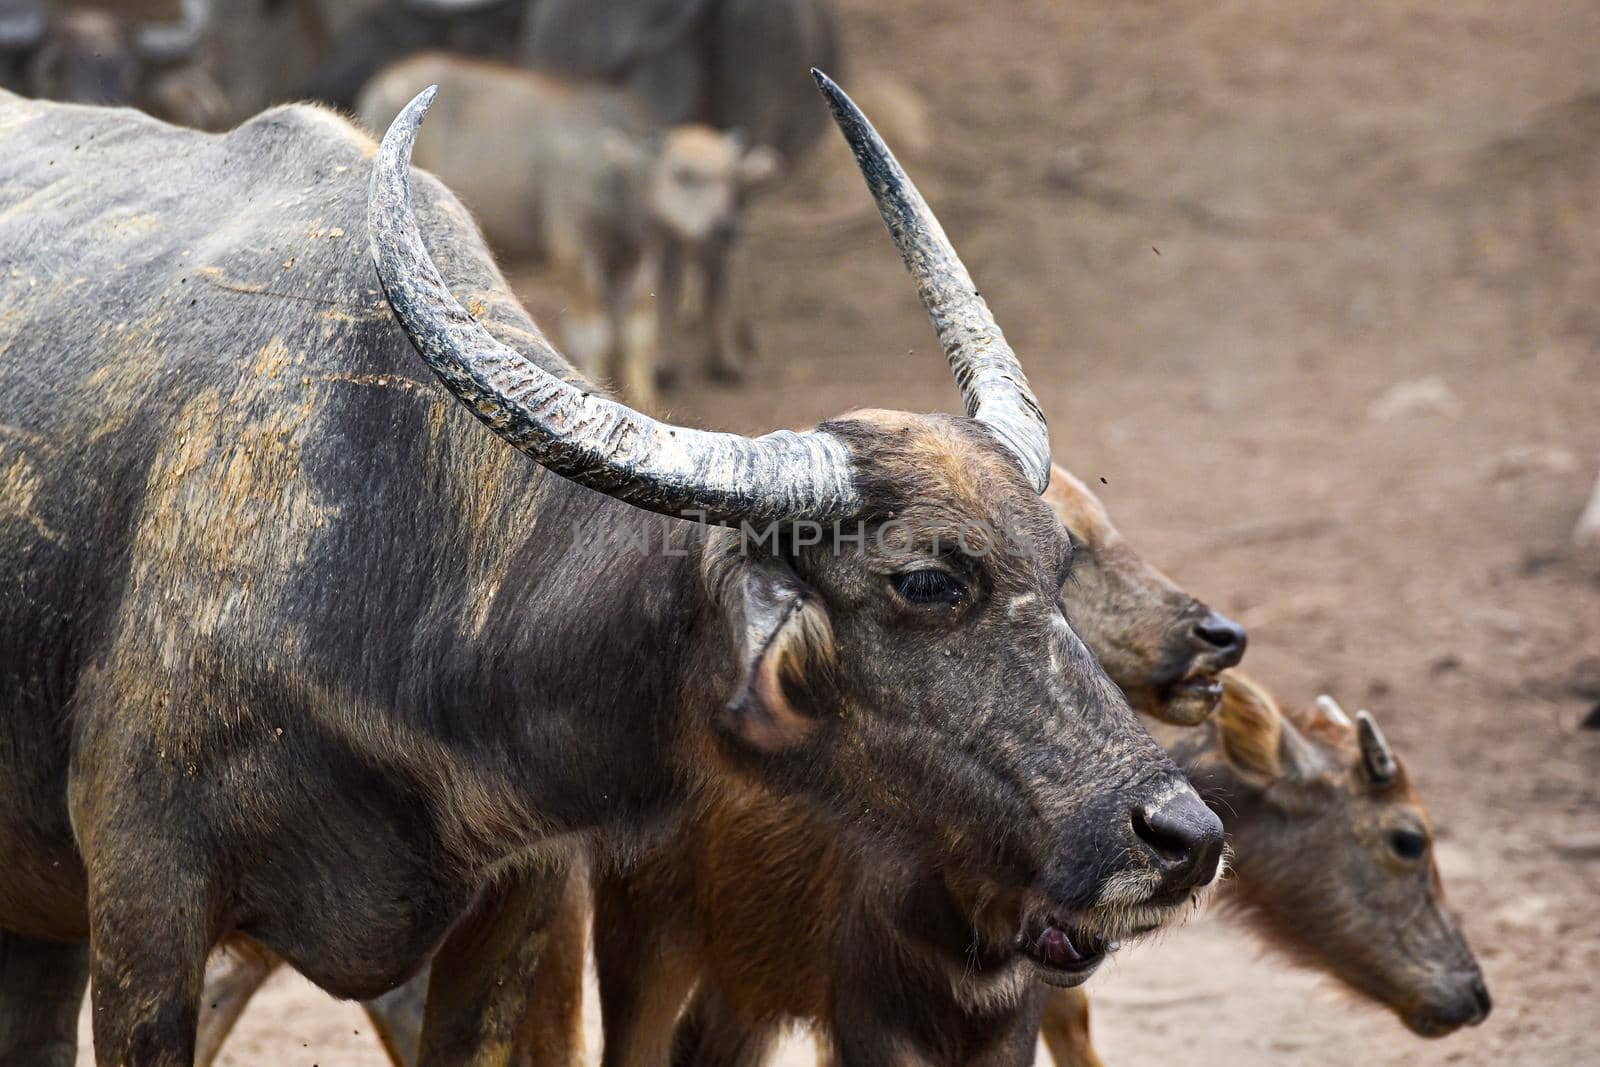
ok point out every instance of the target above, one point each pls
(1332, 848)
(577, 176)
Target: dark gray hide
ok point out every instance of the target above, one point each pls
(294, 647)
(393, 30)
(733, 64)
(255, 561)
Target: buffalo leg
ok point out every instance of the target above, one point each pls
(233, 975)
(712, 1035)
(41, 989)
(1066, 1029)
(587, 326)
(729, 341)
(551, 1034)
(398, 1015)
(483, 976)
(671, 292)
(150, 930)
(636, 326)
(645, 976)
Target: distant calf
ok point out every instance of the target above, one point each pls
(1331, 847)
(585, 183)
(1587, 532)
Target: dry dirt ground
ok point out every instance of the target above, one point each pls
(1221, 234)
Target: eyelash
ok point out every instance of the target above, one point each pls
(928, 586)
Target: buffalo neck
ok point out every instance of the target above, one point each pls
(580, 675)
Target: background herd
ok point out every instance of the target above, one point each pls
(1417, 286)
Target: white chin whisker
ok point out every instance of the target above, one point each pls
(1126, 888)
(1127, 914)
(1222, 869)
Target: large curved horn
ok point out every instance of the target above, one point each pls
(1375, 751)
(992, 384)
(170, 42)
(574, 432)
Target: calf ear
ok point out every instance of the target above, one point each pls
(1260, 742)
(783, 646)
(759, 166)
(1250, 730)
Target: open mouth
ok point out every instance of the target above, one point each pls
(1064, 954)
(1204, 684)
(1191, 699)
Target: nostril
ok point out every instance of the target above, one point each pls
(1185, 838)
(1166, 836)
(1221, 633)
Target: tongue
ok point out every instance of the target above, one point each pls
(1056, 949)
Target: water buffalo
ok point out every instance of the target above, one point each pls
(759, 909)
(1332, 862)
(99, 56)
(719, 904)
(297, 649)
(591, 187)
(366, 41)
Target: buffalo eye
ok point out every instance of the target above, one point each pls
(928, 587)
(1408, 845)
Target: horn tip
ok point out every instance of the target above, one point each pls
(420, 104)
(402, 133)
(839, 101)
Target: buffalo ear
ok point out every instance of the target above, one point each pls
(783, 646)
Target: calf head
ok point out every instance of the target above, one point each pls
(1333, 856)
(885, 594)
(1165, 649)
(698, 180)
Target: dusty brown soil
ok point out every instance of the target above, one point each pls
(1220, 234)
